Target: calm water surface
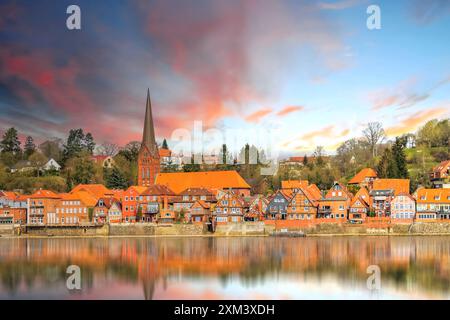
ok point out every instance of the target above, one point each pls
(226, 268)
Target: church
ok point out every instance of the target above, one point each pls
(148, 158)
(149, 164)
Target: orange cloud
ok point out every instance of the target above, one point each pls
(257, 115)
(289, 109)
(411, 123)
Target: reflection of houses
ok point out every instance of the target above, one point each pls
(433, 204)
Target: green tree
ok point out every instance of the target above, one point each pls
(114, 178)
(399, 157)
(131, 151)
(78, 142)
(81, 170)
(29, 147)
(139, 214)
(305, 160)
(164, 144)
(88, 143)
(37, 159)
(51, 149)
(10, 142)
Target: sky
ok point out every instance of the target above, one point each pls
(295, 74)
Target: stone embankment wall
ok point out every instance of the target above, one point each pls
(68, 231)
(243, 229)
(150, 229)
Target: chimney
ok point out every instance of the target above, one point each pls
(165, 203)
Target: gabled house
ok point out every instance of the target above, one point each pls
(230, 207)
(186, 198)
(13, 208)
(152, 201)
(383, 192)
(108, 210)
(257, 208)
(41, 207)
(200, 212)
(103, 160)
(51, 165)
(336, 203)
(441, 171)
(294, 185)
(360, 206)
(277, 207)
(302, 206)
(130, 202)
(364, 178)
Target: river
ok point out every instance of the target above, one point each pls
(226, 268)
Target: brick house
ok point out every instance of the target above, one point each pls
(364, 178)
(336, 203)
(72, 209)
(130, 202)
(383, 192)
(108, 210)
(441, 171)
(230, 207)
(13, 208)
(41, 205)
(200, 212)
(403, 208)
(433, 204)
(186, 199)
(360, 206)
(257, 208)
(152, 200)
(302, 206)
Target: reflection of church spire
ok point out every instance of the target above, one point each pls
(148, 136)
(149, 288)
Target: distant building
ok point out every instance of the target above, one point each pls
(104, 161)
(441, 171)
(364, 178)
(51, 165)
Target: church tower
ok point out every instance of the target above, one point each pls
(148, 158)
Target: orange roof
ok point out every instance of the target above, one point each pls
(165, 152)
(398, 185)
(433, 195)
(138, 189)
(363, 201)
(294, 184)
(158, 190)
(87, 198)
(97, 190)
(44, 194)
(314, 191)
(179, 181)
(442, 167)
(364, 194)
(364, 173)
(9, 194)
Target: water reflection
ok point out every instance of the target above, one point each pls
(232, 268)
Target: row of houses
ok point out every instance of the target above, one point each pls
(218, 197)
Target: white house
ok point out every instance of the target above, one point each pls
(51, 165)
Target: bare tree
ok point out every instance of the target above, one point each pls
(108, 149)
(374, 134)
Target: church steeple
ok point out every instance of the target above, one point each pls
(148, 158)
(148, 136)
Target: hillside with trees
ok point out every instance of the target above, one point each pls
(412, 156)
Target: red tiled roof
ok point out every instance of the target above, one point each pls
(44, 194)
(294, 184)
(165, 152)
(398, 185)
(158, 190)
(364, 173)
(179, 181)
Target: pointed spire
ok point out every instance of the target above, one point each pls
(148, 136)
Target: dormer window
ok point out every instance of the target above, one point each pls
(437, 197)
